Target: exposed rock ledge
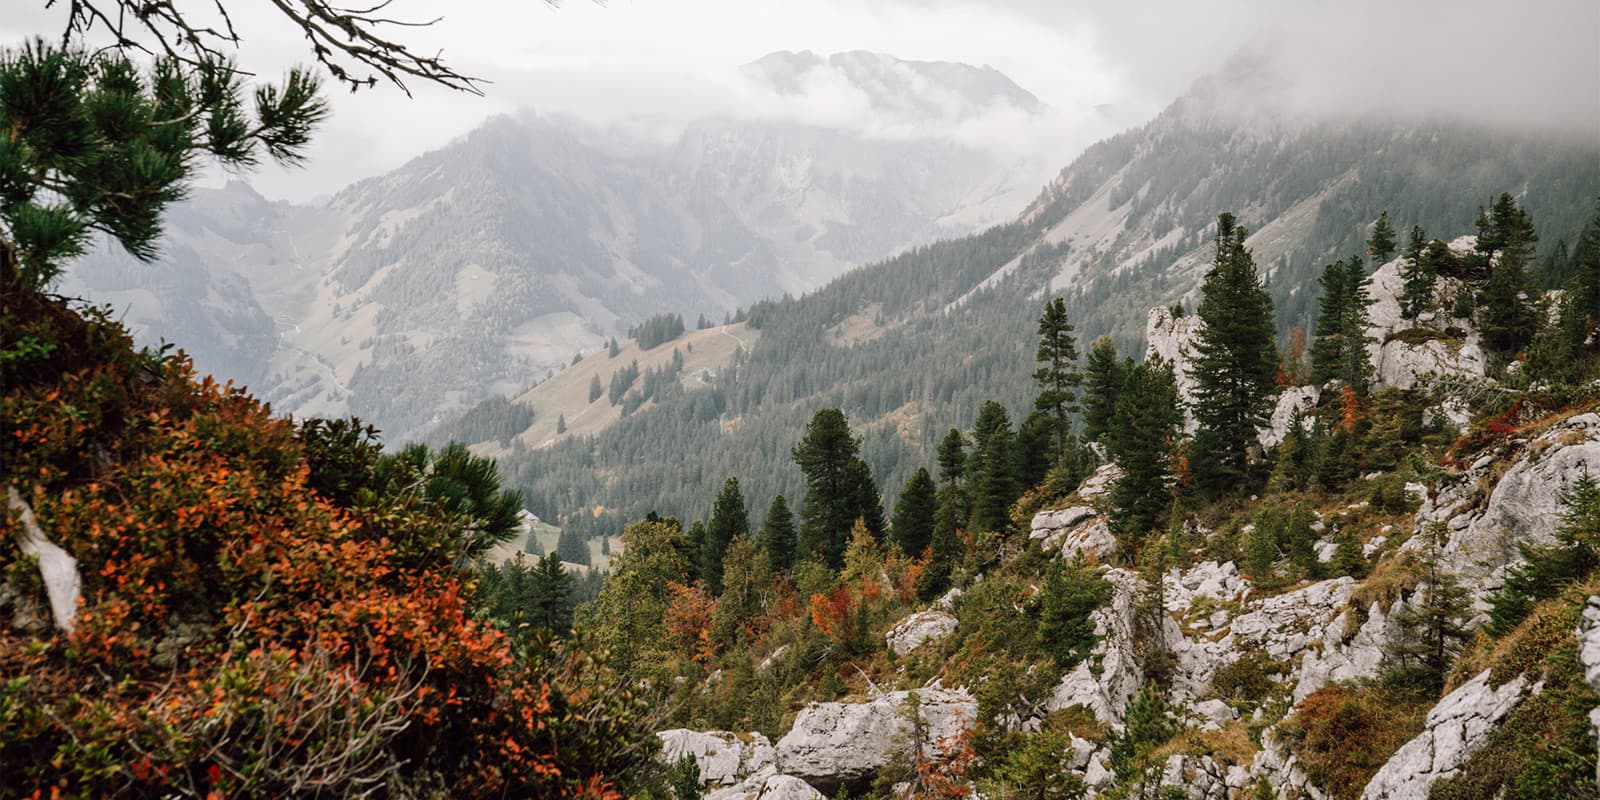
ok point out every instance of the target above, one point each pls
(845, 744)
(1456, 727)
(918, 629)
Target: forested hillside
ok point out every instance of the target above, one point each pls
(911, 346)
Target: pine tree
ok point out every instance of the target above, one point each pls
(1327, 356)
(550, 601)
(96, 144)
(694, 545)
(777, 534)
(728, 520)
(1058, 378)
(1355, 363)
(914, 514)
(595, 389)
(1146, 422)
(1103, 379)
(1381, 244)
(612, 348)
(952, 457)
(1508, 319)
(1418, 276)
(839, 488)
(1235, 367)
(1034, 447)
(1433, 623)
(571, 547)
(1071, 592)
(992, 467)
(561, 424)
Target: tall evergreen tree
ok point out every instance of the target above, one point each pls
(839, 488)
(1418, 276)
(1236, 365)
(952, 457)
(1508, 318)
(914, 514)
(1355, 362)
(1328, 338)
(550, 600)
(777, 534)
(728, 520)
(1058, 377)
(1102, 380)
(595, 388)
(1147, 420)
(571, 547)
(1381, 244)
(992, 467)
(1035, 446)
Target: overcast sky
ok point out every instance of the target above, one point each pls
(1101, 66)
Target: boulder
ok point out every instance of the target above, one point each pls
(1456, 727)
(918, 629)
(1079, 529)
(774, 787)
(724, 758)
(833, 745)
(1295, 398)
(1098, 484)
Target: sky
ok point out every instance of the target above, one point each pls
(1100, 66)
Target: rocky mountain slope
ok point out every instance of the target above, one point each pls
(476, 269)
(1270, 687)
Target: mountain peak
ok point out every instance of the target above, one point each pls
(912, 90)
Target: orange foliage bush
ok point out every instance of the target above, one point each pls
(239, 633)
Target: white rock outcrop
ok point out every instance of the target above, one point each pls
(57, 568)
(1399, 363)
(918, 629)
(1295, 398)
(1109, 678)
(1099, 482)
(724, 758)
(1173, 339)
(845, 744)
(1523, 506)
(775, 787)
(1456, 727)
(1074, 530)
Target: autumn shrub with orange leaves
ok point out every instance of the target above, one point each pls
(248, 628)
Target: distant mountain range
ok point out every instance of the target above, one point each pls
(911, 346)
(478, 268)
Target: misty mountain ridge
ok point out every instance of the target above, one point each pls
(477, 268)
(911, 346)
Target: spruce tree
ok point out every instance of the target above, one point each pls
(1147, 421)
(914, 514)
(1328, 338)
(595, 388)
(550, 597)
(1381, 244)
(777, 534)
(1236, 365)
(952, 457)
(1508, 318)
(1058, 378)
(839, 488)
(571, 547)
(992, 467)
(1034, 447)
(1102, 380)
(1418, 276)
(694, 545)
(561, 424)
(1433, 623)
(1355, 362)
(728, 520)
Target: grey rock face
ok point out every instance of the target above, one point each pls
(918, 629)
(845, 744)
(1074, 530)
(1589, 655)
(724, 758)
(1456, 727)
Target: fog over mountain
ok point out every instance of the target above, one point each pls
(478, 268)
